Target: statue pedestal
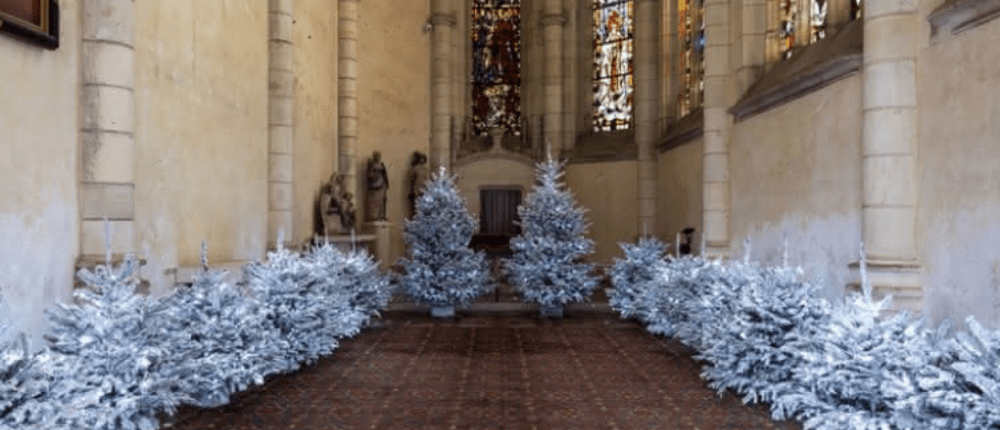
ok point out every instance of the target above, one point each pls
(380, 230)
(345, 243)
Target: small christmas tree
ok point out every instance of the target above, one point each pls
(355, 274)
(105, 371)
(545, 267)
(298, 303)
(442, 270)
(220, 341)
(634, 277)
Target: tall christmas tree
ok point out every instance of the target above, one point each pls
(442, 270)
(545, 267)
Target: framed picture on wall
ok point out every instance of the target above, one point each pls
(36, 21)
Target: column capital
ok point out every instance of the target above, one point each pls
(445, 19)
(554, 19)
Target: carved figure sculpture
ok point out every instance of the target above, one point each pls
(378, 184)
(419, 174)
(336, 207)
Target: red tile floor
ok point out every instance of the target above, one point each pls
(491, 370)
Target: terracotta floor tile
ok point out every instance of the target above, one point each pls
(491, 371)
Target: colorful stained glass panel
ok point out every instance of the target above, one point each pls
(817, 19)
(613, 33)
(496, 65)
(789, 13)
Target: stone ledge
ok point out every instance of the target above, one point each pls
(683, 131)
(901, 279)
(604, 146)
(810, 68)
(956, 16)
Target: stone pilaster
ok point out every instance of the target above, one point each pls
(888, 146)
(754, 44)
(645, 115)
(668, 61)
(107, 134)
(719, 98)
(553, 23)
(441, 83)
(281, 107)
(347, 93)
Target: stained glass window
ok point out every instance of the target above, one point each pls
(788, 13)
(613, 31)
(692, 61)
(496, 65)
(817, 19)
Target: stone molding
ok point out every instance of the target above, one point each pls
(956, 16)
(556, 19)
(592, 147)
(811, 68)
(901, 279)
(683, 131)
(446, 19)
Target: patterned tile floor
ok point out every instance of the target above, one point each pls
(491, 370)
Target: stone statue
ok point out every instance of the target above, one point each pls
(336, 207)
(418, 179)
(378, 184)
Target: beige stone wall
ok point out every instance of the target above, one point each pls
(39, 229)
(201, 132)
(492, 172)
(679, 192)
(315, 131)
(796, 172)
(393, 99)
(608, 191)
(958, 214)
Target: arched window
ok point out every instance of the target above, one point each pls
(691, 61)
(613, 31)
(496, 65)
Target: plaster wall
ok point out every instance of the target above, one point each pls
(958, 213)
(315, 130)
(796, 174)
(201, 133)
(39, 229)
(492, 172)
(679, 193)
(608, 191)
(393, 100)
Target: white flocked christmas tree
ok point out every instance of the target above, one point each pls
(441, 269)
(546, 266)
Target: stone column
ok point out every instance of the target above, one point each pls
(888, 146)
(553, 23)
(646, 98)
(754, 44)
(441, 83)
(668, 62)
(280, 105)
(107, 134)
(718, 125)
(458, 56)
(347, 94)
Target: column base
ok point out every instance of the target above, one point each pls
(900, 278)
(714, 252)
(381, 231)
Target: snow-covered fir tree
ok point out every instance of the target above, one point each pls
(103, 370)
(221, 341)
(441, 269)
(545, 267)
(634, 277)
(20, 380)
(297, 301)
(355, 274)
(756, 355)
